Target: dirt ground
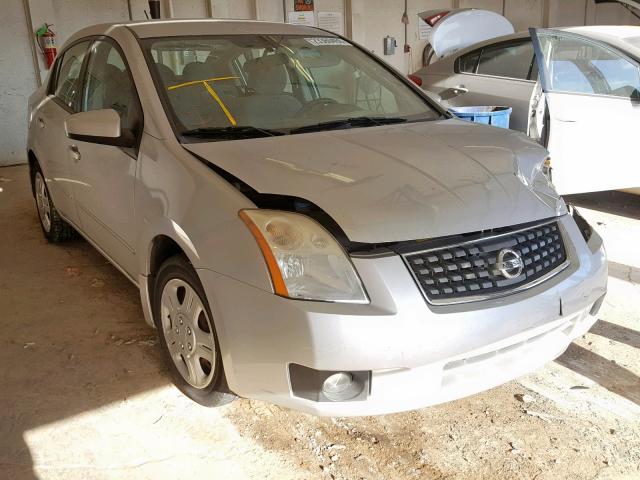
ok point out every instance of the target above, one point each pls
(84, 393)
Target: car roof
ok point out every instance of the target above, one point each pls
(196, 27)
(623, 37)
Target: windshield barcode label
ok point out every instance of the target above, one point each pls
(326, 41)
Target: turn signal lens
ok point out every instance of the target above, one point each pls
(304, 260)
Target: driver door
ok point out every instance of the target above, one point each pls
(104, 175)
(587, 110)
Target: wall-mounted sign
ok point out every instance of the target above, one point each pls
(424, 29)
(303, 6)
(302, 18)
(331, 21)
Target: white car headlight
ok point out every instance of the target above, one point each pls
(304, 260)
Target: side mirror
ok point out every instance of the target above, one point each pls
(99, 126)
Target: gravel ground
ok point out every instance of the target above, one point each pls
(85, 394)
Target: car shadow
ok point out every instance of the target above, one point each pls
(606, 373)
(614, 202)
(73, 337)
(624, 272)
(617, 333)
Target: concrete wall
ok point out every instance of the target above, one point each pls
(17, 80)
(366, 21)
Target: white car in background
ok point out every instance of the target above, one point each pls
(576, 90)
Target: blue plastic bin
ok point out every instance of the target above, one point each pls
(496, 116)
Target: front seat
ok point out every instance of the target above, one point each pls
(114, 91)
(195, 106)
(267, 102)
(166, 74)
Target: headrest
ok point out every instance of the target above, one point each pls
(166, 74)
(267, 75)
(197, 71)
(268, 61)
(115, 78)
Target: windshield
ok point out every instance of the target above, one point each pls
(268, 85)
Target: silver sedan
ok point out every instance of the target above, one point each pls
(305, 226)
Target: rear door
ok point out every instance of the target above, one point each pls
(592, 96)
(51, 142)
(501, 74)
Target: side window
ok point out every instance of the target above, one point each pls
(468, 63)
(581, 67)
(68, 78)
(511, 60)
(568, 77)
(109, 85)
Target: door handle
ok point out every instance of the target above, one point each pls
(75, 153)
(453, 92)
(40, 122)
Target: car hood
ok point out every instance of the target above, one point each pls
(399, 182)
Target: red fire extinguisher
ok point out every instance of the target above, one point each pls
(47, 41)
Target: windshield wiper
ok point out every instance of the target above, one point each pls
(232, 133)
(348, 123)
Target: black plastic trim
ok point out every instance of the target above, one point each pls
(126, 140)
(307, 383)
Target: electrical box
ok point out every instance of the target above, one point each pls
(390, 45)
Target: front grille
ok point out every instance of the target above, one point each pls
(469, 271)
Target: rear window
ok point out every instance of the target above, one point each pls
(469, 62)
(511, 61)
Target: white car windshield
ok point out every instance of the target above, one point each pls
(273, 85)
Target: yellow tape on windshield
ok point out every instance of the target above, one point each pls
(212, 92)
(224, 108)
(194, 82)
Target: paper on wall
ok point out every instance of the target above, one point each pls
(424, 29)
(331, 21)
(302, 18)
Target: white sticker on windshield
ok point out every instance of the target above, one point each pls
(326, 41)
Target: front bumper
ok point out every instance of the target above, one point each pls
(417, 355)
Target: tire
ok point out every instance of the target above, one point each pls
(54, 228)
(187, 334)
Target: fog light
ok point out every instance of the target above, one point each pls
(340, 387)
(329, 385)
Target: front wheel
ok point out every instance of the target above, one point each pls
(188, 337)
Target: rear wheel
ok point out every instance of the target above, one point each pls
(185, 326)
(55, 229)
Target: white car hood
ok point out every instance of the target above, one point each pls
(398, 182)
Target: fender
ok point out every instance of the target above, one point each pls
(168, 228)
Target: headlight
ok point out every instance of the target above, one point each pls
(585, 229)
(304, 260)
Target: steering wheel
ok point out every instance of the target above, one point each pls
(314, 105)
